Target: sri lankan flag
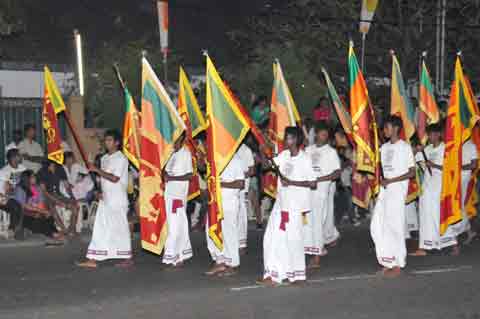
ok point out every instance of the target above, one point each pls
(427, 108)
(471, 198)
(226, 130)
(365, 181)
(160, 127)
(342, 112)
(131, 125)
(195, 123)
(283, 113)
(52, 105)
(461, 118)
(401, 106)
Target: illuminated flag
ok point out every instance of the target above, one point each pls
(226, 131)
(161, 126)
(366, 15)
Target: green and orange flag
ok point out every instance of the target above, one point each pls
(161, 126)
(227, 128)
(366, 177)
(283, 113)
(195, 123)
(461, 119)
(427, 107)
(131, 126)
(401, 106)
(52, 105)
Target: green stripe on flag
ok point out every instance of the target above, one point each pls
(465, 114)
(425, 82)
(192, 116)
(223, 111)
(163, 121)
(352, 70)
(403, 93)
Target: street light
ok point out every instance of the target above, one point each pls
(78, 47)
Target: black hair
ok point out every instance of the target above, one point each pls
(395, 121)
(28, 127)
(339, 129)
(322, 126)
(295, 132)
(68, 155)
(115, 134)
(261, 98)
(323, 98)
(11, 154)
(436, 127)
(25, 182)
(17, 132)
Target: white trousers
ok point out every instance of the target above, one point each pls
(283, 248)
(177, 246)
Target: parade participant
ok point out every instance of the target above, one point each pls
(232, 182)
(320, 227)
(283, 243)
(245, 155)
(429, 202)
(30, 150)
(178, 172)
(111, 233)
(388, 222)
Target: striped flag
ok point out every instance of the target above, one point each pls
(226, 130)
(161, 126)
(366, 15)
(427, 108)
(195, 123)
(162, 8)
(342, 112)
(461, 118)
(283, 113)
(131, 126)
(366, 178)
(52, 105)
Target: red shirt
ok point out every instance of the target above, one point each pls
(321, 114)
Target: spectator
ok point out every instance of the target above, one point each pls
(323, 111)
(9, 178)
(37, 217)
(51, 176)
(17, 138)
(78, 178)
(261, 112)
(31, 151)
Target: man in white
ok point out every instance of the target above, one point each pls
(9, 179)
(178, 172)
(388, 222)
(17, 138)
(30, 150)
(429, 202)
(111, 233)
(79, 181)
(283, 242)
(469, 164)
(245, 155)
(232, 182)
(320, 227)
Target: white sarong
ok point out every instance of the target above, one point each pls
(313, 229)
(243, 220)
(330, 232)
(177, 246)
(387, 227)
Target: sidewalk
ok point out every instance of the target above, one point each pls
(35, 240)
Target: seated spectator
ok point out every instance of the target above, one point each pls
(9, 178)
(37, 217)
(78, 178)
(50, 177)
(17, 138)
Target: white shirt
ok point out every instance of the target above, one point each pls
(31, 149)
(325, 160)
(115, 194)
(396, 159)
(233, 172)
(434, 155)
(10, 175)
(469, 154)
(245, 155)
(179, 164)
(74, 172)
(296, 168)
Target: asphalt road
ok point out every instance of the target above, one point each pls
(37, 282)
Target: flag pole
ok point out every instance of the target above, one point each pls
(422, 58)
(73, 130)
(364, 36)
(165, 65)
